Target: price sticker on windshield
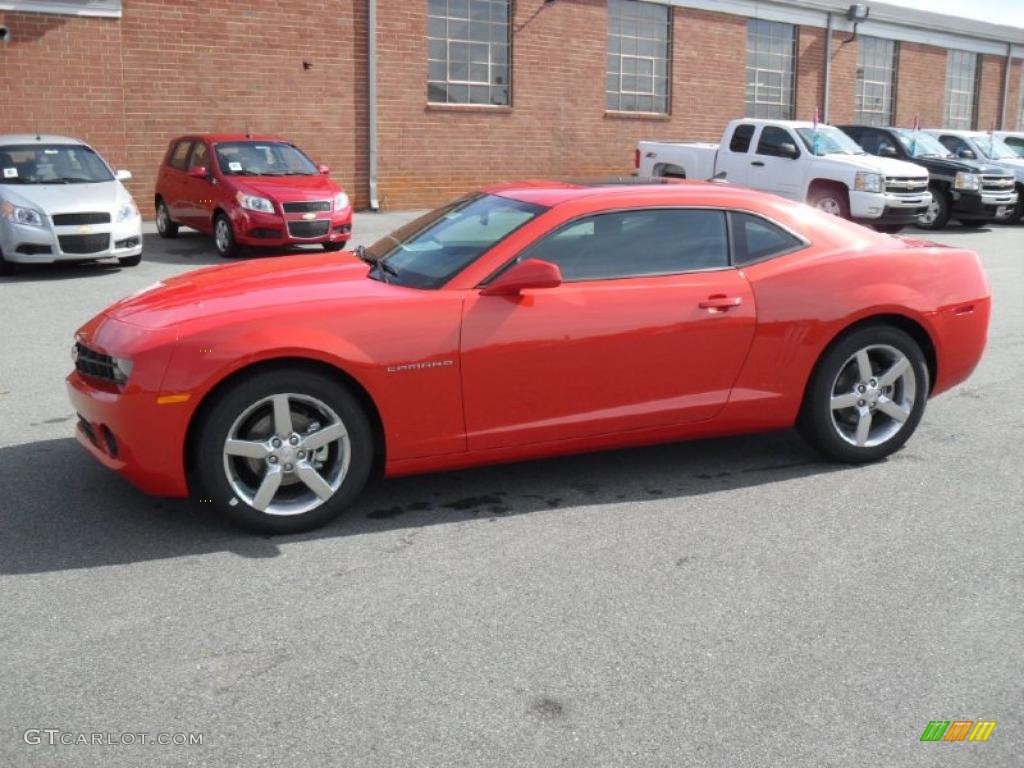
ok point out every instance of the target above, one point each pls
(234, 166)
(10, 173)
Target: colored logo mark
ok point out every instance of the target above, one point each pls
(958, 730)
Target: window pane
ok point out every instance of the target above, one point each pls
(961, 77)
(876, 77)
(755, 239)
(639, 36)
(770, 54)
(636, 243)
(467, 50)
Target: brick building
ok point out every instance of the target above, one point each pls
(471, 91)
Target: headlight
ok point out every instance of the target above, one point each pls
(30, 217)
(865, 181)
(340, 201)
(126, 211)
(254, 203)
(122, 369)
(968, 181)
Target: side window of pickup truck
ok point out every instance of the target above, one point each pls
(954, 144)
(741, 138)
(776, 142)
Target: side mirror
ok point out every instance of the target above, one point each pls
(123, 175)
(532, 273)
(199, 172)
(324, 169)
(887, 151)
(789, 150)
(966, 154)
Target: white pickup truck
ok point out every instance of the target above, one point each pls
(819, 164)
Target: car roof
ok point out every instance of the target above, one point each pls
(214, 138)
(37, 138)
(620, 191)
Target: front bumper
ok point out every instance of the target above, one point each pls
(981, 207)
(888, 208)
(277, 230)
(49, 244)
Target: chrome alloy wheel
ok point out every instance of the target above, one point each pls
(162, 218)
(830, 205)
(287, 454)
(931, 213)
(873, 395)
(222, 234)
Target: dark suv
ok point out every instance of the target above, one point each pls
(970, 191)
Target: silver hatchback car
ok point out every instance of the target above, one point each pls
(60, 201)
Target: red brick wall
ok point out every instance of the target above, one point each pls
(810, 64)
(990, 91)
(62, 75)
(843, 78)
(1013, 102)
(921, 84)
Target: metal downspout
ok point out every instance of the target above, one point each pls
(828, 67)
(1006, 87)
(372, 106)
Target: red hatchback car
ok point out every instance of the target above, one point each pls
(250, 190)
(524, 321)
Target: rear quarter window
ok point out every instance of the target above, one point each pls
(755, 239)
(178, 155)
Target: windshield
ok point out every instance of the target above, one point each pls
(51, 164)
(994, 149)
(262, 158)
(921, 144)
(828, 140)
(429, 251)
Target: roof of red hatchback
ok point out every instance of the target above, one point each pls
(217, 137)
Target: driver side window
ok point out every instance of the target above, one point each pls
(200, 157)
(776, 142)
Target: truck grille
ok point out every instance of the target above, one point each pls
(308, 206)
(308, 228)
(89, 362)
(901, 185)
(997, 183)
(71, 219)
(84, 243)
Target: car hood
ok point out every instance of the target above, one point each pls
(885, 165)
(265, 286)
(67, 198)
(952, 165)
(287, 188)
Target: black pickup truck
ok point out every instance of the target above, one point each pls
(966, 190)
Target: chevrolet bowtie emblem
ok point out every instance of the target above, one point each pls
(309, 216)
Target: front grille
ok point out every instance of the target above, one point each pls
(997, 183)
(84, 243)
(71, 219)
(89, 362)
(307, 206)
(308, 228)
(902, 185)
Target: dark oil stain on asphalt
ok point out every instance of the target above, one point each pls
(386, 514)
(548, 708)
(474, 503)
(655, 491)
(712, 477)
(56, 420)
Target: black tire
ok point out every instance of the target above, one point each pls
(331, 247)
(8, 267)
(822, 429)
(226, 244)
(973, 223)
(888, 229)
(1018, 210)
(165, 227)
(940, 200)
(831, 199)
(130, 261)
(209, 480)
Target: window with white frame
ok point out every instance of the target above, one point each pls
(639, 45)
(771, 47)
(961, 79)
(876, 81)
(468, 52)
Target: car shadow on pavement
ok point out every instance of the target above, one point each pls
(92, 517)
(196, 249)
(33, 273)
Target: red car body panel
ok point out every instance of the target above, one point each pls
(194, 201)
(460, 378)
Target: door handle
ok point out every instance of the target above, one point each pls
(758, 163)
(720, 302)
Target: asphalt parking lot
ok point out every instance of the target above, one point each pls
(733, 602)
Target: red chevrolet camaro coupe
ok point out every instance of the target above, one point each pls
(522, 321)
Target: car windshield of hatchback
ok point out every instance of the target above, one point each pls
(921, 144)
(828, 140)
(51, 164)
(263, 158)
(994, 149)
(428, 251)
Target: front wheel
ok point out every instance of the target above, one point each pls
(866, 396)
(831, 200)
(224, 237)
(283, 451)
(937, 213)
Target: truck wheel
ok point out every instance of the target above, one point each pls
(834, 200)
(937, 214)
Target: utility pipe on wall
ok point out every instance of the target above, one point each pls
(828, 67)
(372, 106)
(1006, 87)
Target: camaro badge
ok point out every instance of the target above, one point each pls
(420, 366)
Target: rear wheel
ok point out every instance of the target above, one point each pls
(283, 451)
(937, 214)
(164, 226)
(224, 237)
(866, 396)
(831, 199)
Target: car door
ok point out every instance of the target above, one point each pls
(649, 328)
(199, 190)
(775, 165)
(174, 188)
(735, 158)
